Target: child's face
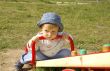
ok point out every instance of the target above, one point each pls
(49, 31)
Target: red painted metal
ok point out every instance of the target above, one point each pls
(71, 43)
(68, 70)
(33, 62)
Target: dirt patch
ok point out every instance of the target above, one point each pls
(8, 58)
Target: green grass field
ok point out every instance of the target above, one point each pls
(89, 23)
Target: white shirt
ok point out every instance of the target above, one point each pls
(48, 47)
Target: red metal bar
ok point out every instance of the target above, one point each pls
(71, 43)
(33, 53)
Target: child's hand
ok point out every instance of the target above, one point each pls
(38, 37)
(35, 38)
(74, 53)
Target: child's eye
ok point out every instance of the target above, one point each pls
(53, 31)
(46, 30)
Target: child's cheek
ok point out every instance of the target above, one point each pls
(54, 36)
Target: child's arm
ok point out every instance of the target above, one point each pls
(30, 42)
(31, 45)
(69, 38)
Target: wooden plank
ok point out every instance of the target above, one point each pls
(61, 62)
(96, 60)
(91, 60)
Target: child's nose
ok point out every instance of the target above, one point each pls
(49, 34)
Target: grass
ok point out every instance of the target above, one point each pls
(89, 24)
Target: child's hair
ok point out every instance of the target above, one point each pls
(51, 18)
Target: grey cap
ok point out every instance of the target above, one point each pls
(51, 18)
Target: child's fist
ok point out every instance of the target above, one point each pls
(74, 53)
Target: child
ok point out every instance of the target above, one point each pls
(53, 44)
